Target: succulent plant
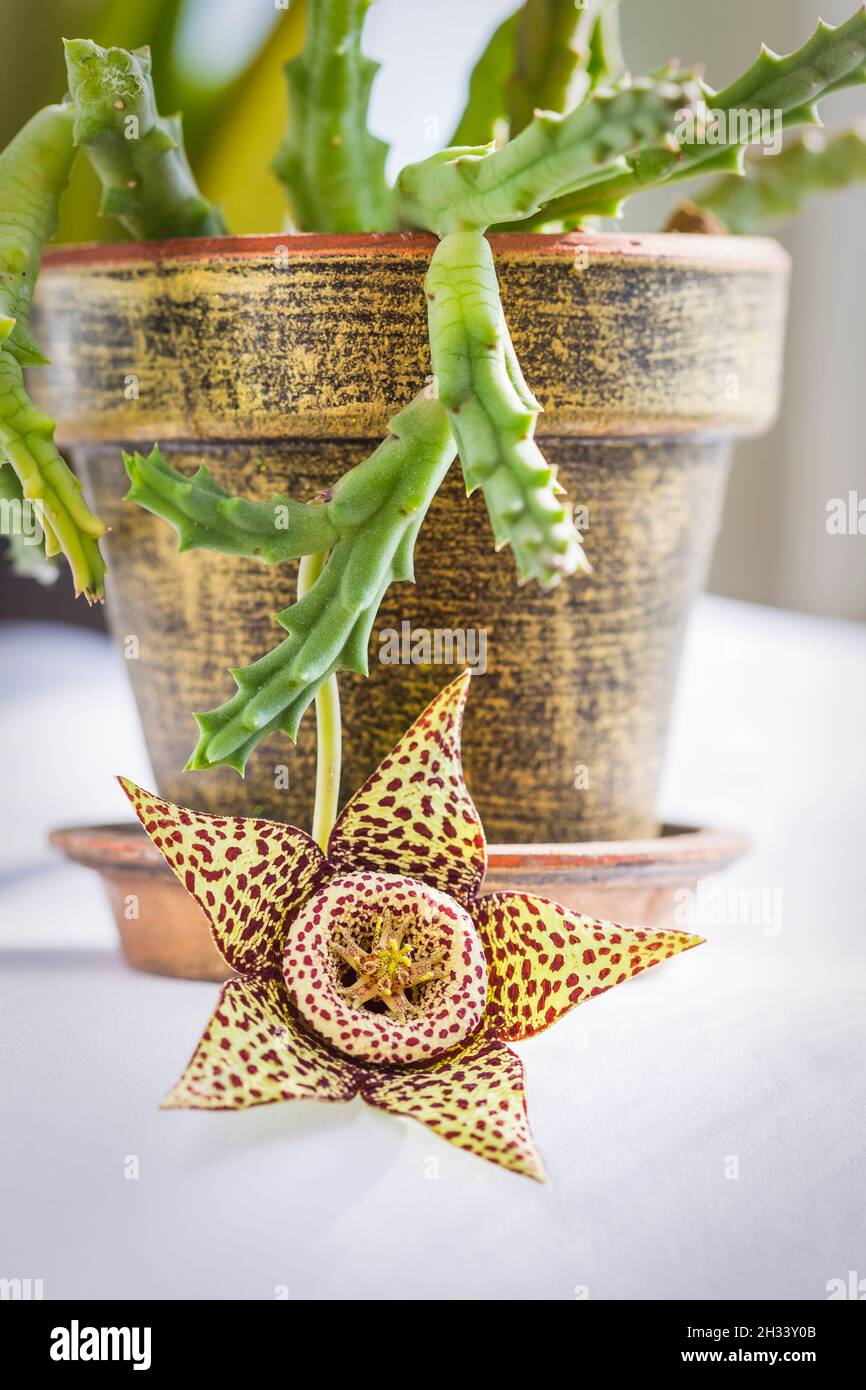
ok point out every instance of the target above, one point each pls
(333, 169)
(777, 186)
(34, 169)
(492, 412)
(481, 186)
(139, 155)
(561, 52)
(555, 133)
(26, 546)
(377, 510)
(781, 90)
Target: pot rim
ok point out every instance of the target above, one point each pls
(676, 850)
(678, 248)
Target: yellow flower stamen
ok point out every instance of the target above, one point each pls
(386, 972)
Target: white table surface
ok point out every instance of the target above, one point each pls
(746, 1054)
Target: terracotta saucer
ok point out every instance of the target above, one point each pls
(630, 881)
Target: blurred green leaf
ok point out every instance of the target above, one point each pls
(231, 125)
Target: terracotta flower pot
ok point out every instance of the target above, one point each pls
(278, 360)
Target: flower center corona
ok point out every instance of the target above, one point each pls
(388, 972)
(385, 968)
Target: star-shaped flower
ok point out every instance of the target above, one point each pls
(380, 969)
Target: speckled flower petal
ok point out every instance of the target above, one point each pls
(414, 815)
(473, 1097)
(542, 959)
(253, 1053)
(247, 876)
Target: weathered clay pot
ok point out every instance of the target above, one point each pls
(277, 361)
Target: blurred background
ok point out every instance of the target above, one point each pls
(220, 62)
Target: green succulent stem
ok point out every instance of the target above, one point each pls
(332, 167)
(492, 412)
(34, 169)
(329, 733)
(486, 105)
(782, 90)
(605, 63)
(139, 155)
(776, 186)
(472, 189)
(206, 517)
(377, 509)
(26, 547)
(551, 53)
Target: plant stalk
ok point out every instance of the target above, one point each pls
(329, 734)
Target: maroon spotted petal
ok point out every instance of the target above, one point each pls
(247, 876)
(414, 815)
(543, 959)
(253, 1053)
(473, 1097)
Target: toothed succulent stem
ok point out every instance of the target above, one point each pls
(34, 169)
(472, 189)
(493, 412)
(776, 186)
(775, 91)
(332, 167)
(139, 155)
(26, 544)
(377, 509)
(206, 517)
(329, 733)
(486, 105)
(551, 52)
(605, 62)
(48, 485)
(546, 55)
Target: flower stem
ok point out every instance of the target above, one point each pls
(329, 737)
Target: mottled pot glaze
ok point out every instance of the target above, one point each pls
(278, 360)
